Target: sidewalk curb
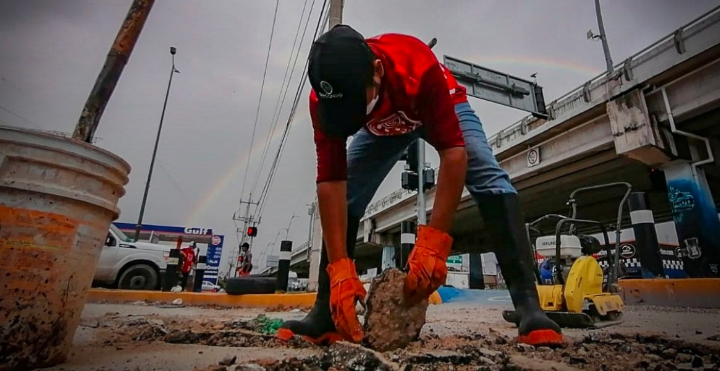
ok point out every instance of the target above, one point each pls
(683, 292)
(222, 300)
(197, 298)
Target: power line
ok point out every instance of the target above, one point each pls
(18, 88)
(172, 180)
(279, 104)
(281, 147)
(257, 112)
(20, 117)
(263, 198)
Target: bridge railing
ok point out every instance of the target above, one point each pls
(524, 127)
(294, 253)
(571, 103)
(301, 247)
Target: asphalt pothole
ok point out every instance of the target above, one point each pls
(491, 352)
(604, 352)
(227, 334)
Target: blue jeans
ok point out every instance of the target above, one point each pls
(370, 158)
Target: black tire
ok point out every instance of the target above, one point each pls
(250, 285)
(138, 277)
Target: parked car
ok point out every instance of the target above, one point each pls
(208, 286)
(130, 265)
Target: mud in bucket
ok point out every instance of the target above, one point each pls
(57, 200)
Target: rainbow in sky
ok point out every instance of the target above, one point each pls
(219, 185)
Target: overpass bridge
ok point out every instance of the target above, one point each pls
(657, 112)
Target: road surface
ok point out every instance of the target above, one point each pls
(457, 336)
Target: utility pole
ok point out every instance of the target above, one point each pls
(335, 13)
(421, 205)
(247, 220)
(335, 16)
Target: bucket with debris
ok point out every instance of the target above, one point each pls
(57, 199)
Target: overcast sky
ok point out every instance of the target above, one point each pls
(51, 52)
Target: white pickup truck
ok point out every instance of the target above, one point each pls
(130, 265)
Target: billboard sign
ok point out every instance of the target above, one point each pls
(165, 229)
(498, 87)
(214, 253)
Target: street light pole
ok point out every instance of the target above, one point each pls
(173, 70)
(287, 230)
(603, 38)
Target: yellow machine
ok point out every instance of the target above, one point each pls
(580, 297)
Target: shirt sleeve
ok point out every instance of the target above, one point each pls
(436, 109)
(331, 152)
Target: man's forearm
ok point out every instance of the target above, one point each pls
(451, 180)
(332, 204)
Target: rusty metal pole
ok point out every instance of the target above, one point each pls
(111, 71)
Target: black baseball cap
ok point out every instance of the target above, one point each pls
(339, 69)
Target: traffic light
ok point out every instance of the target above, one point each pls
(428, 179)
(409, 180)
(411, 159)
(410, 177)
(252, 231)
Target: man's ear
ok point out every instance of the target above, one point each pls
(379, 70)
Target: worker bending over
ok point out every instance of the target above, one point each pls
(386, 92)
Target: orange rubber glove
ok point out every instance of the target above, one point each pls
(345, 290)
(427, 263)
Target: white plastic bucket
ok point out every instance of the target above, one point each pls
(58, 197)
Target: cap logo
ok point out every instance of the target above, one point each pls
(326, 87)
(327, 92)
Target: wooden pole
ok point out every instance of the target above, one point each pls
(111, 71)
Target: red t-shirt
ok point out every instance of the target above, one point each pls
(189, 259)
(416, 90)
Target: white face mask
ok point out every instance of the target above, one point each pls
(372, 103)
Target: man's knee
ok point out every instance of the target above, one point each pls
(489, 191)
(489, 181)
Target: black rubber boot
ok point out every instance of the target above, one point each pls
(506, 227)
(318, 327)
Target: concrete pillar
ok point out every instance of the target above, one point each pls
(696, 219)
(200, 273)
(281, 283)
(170, 278)
(388, 258)
(407, 242)
(646, 241)
(477, 277)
